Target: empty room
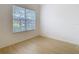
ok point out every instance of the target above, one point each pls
(39, 28)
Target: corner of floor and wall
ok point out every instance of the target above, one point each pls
(60, 22)
(7, 37)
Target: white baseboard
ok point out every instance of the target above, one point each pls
(61, 39)
(12, 43)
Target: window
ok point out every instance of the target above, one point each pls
(23, 19)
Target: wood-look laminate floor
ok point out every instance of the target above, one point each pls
(41, 45)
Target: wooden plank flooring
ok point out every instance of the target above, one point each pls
(41, 45)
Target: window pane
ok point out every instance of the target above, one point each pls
(23, 19)
(18, 19)
(30, 18)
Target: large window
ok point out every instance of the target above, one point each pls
(23, 19)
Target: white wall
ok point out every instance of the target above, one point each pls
(60, 22)
(7, 37)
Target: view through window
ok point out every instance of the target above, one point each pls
(23, 19)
